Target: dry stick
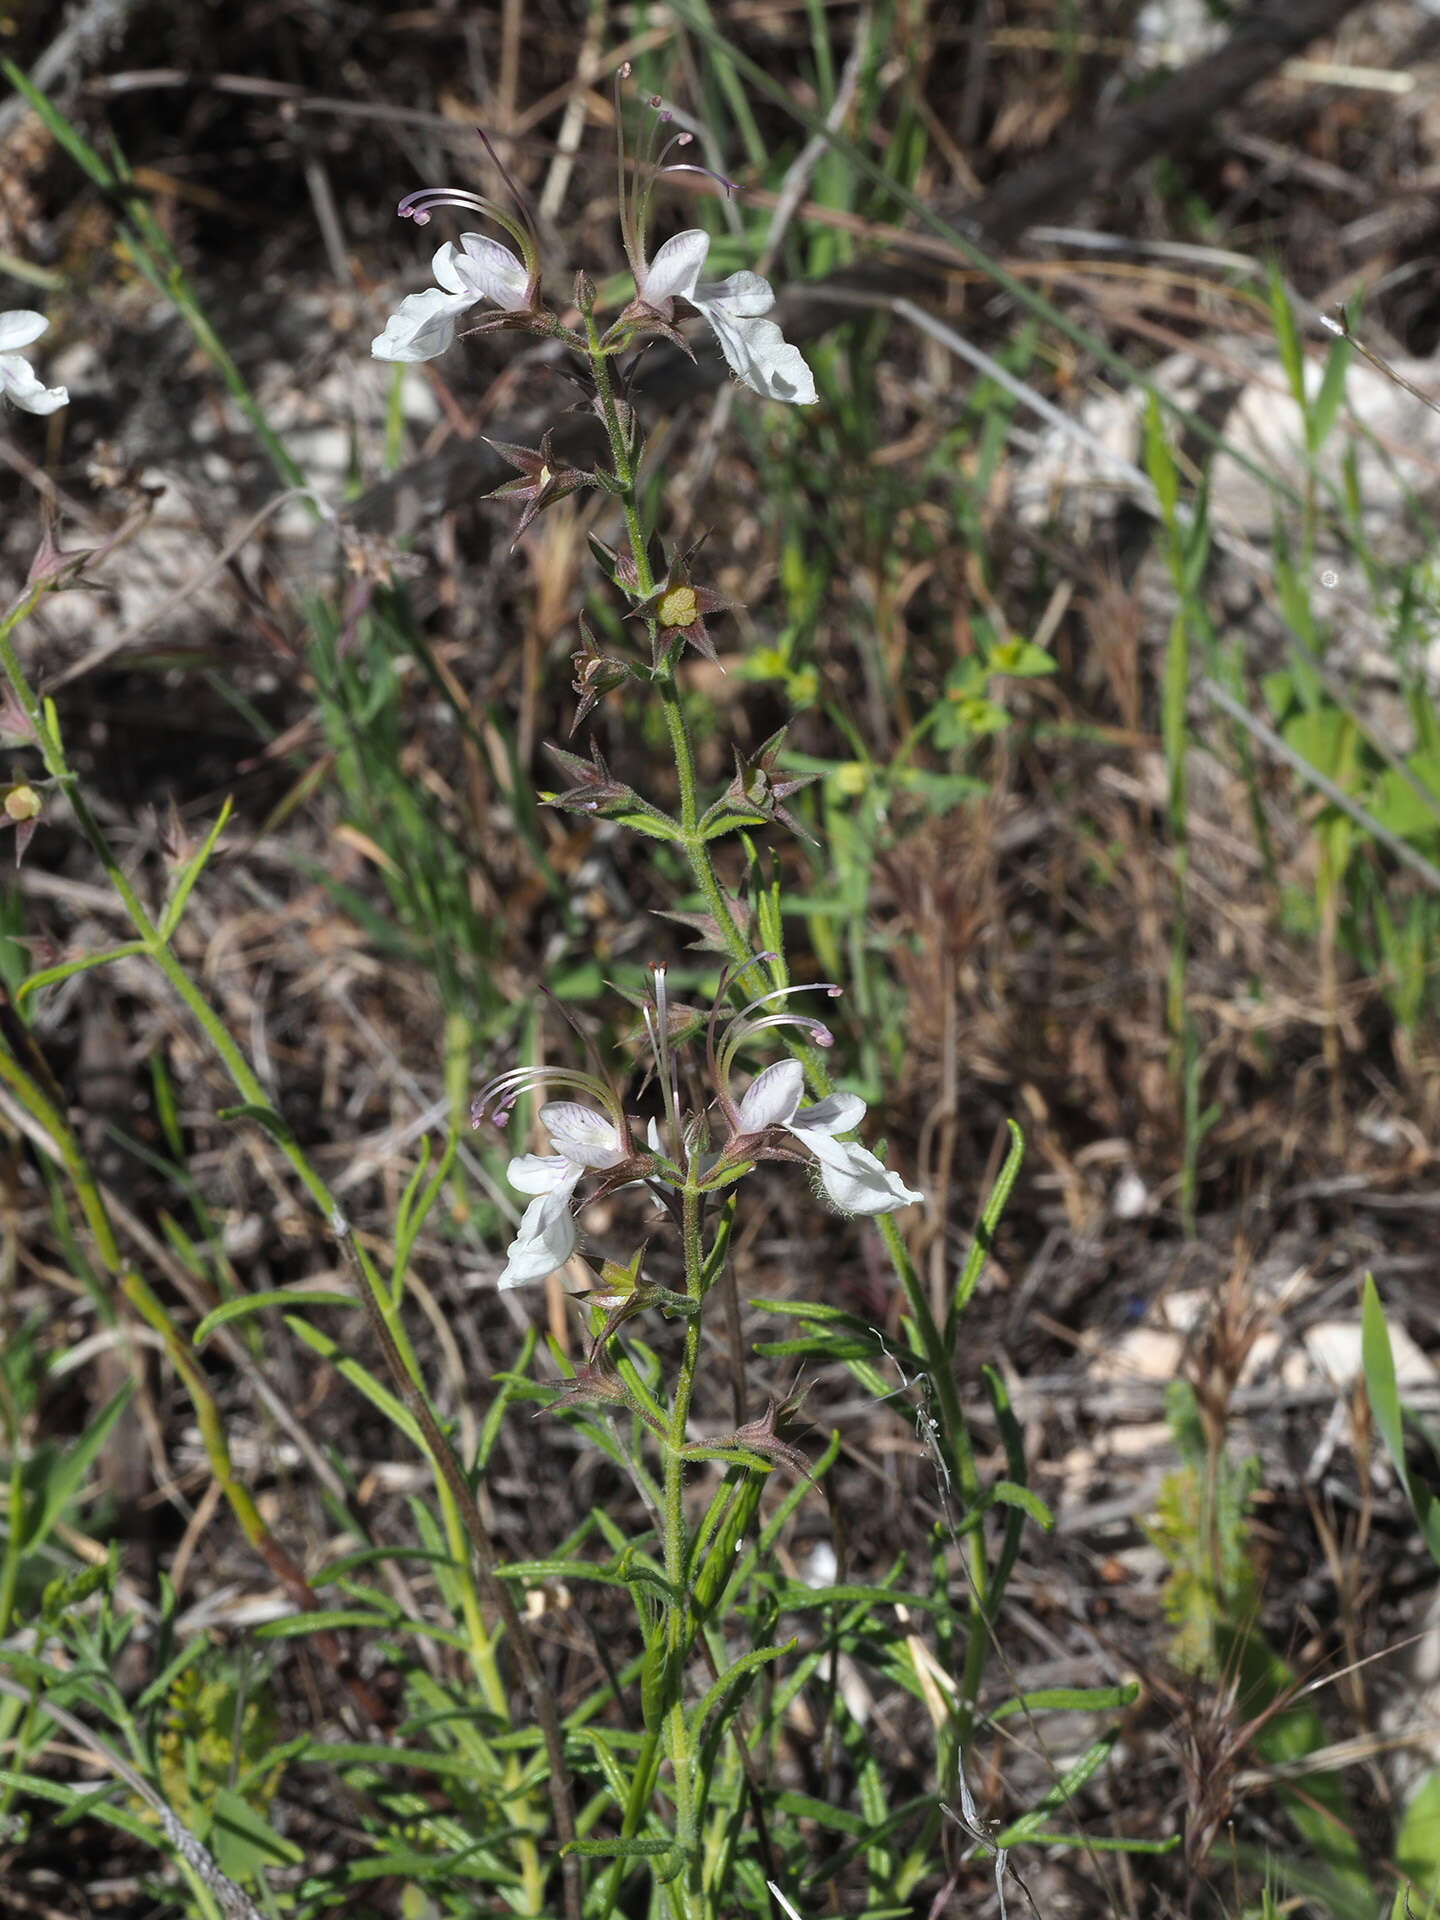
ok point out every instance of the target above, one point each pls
(212, 567)
(541, 1698)
(235, 1902)
(588, 69)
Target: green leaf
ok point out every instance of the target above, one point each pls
(1007, 1494)
(1326, 739)
(1068, 1700)
(1396, 804)
(64, 1475)
(1020, 659)
(1322, 414)
(266, 1118)
(249, 1303)
(294, 1626)
(1384, 1397)
(746, 1664)
(48, 976)
(243, 1841)
(1160, 462)
(1287, 336)
(800, 1806)
(985, 1233)
(641, 1847)
(360, 1378)
(1417, 1845)
(190, 873)
(1062, 1793)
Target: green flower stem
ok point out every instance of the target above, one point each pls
(677, 1557)
(953, 1437)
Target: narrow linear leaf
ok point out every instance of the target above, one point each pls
(273, 1297)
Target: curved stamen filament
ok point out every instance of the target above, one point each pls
(418, 206)
(818, 1034)
(496, 1100)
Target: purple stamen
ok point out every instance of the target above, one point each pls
(417, 206)
(693, 166)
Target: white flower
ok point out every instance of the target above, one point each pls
(18, 379)
(478, 269)
(849, 1173)
(584, 1141)
(753, 346)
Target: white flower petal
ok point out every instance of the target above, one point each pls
(584, 1138)
(675, 268)
(772, 1097)
(484, 269)
(545, 1241)
(20, 383)
(744, 296)
(760, 354)
(836, 1113)
(422, 326)
(855, 1179)
(540, 1172)
(20, 327)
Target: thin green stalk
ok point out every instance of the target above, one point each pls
(956, 1446)
(14, 1532)
(677, 1554)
